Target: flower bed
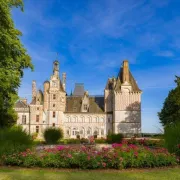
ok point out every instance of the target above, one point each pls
(145, 142)
(119, 156)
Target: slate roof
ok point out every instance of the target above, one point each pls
(21, 104)
(73, 104)
(119, 81)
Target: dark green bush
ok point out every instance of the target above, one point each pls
(100, 141)
(13, 140)
(84, 140)
(114, 138)
(52, 135)
(172, 138)
(73, 141)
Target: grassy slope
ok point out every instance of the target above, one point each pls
(32, 174)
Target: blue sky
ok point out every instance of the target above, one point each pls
(93, 37)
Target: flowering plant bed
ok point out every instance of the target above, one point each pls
(117, 157)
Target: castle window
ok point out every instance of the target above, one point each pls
(53, 124)
(67, 132)
(54, 105)
(96, 132)
(23, 119)
(85, 107)
(54, 96)
(54, 114)
(37, 108)
(109, 120)
(37, 129)
(37, 118)
(89, 131)
(102, 131)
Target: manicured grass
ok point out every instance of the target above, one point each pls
(46, 174)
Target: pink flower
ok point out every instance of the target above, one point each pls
(59, 148)
(104, 164)
(69, 156)
(136, 154)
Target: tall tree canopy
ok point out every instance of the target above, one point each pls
(170, 112)
(13, 59)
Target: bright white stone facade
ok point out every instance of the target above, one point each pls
(118, 111)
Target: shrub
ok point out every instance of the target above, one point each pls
(172, 138)
(114, 138)
(13, 140)
(52, 135)
(101, 141)
(73, 141)
(84, 140)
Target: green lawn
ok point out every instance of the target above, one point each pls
(39, 174)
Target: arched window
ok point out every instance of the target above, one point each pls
(96, 131)
(81, 132)
(81, 119)
(89, 131)
(89, 119)
(96, 119)
(75, 131)
(68, 119)
(68, 131)
(102, 131)
(74, 119)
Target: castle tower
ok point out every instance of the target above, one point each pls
(127, 103)
(64, 81)
(56, 97)
(46, 95)
(108, 95)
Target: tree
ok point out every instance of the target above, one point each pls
(13, 60)
(170, 112)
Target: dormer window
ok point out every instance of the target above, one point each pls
(85, 107)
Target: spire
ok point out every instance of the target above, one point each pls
(125, 71)
(33, 89)
(71, 93)
(56, 68)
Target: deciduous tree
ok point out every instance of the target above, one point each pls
(170, 112)
(13, 60)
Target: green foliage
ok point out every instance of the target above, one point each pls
(100, 141)
(52, 135)
(114, 138)
(172, 138)
(14, 140)
(13, 60)
(170, 112)
(73, 141)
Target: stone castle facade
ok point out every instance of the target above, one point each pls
(118, 111)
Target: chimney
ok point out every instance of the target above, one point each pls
(33, 89)
(125, 71)
(64, 81)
